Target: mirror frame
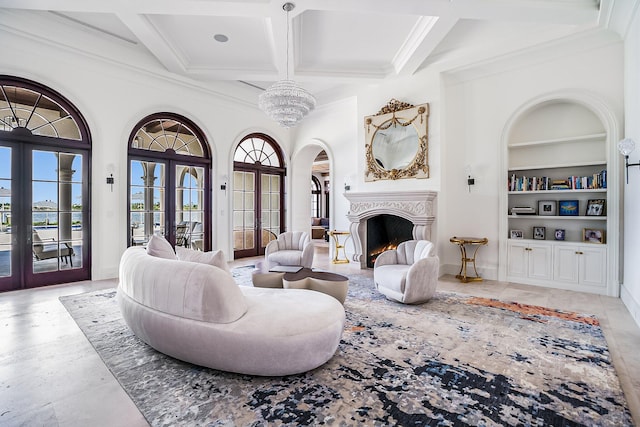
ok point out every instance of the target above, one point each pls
(402, 114)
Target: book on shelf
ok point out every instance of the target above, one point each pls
(590, 182)
(523, 210)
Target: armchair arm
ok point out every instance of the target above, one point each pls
(271, 247)
(386, 258)
(422, 280)
(307, 255)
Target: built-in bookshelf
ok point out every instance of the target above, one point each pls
(557, 202)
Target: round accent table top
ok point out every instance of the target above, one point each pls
(469, 240)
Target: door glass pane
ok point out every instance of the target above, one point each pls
(5, 212)
(53, 216)
(243, 210)
(189, 206)
(146, 200)
(270, 207)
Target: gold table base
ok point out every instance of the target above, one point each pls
(462, 241)
(337, 246)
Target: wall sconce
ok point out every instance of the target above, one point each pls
(110, 181)
(347, 182)
(470, 181)
(626, 147)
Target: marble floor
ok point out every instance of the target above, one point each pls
(51, 376)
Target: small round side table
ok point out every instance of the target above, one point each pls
(474, 241)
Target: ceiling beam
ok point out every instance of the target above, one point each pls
(140, 26)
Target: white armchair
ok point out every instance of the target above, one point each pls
(290, 248)
(408, 274)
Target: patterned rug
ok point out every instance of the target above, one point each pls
(454, 361)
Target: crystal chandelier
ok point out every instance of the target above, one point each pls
(285, 101)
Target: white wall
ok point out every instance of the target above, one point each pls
(113, 99)
(341, 127)
(332, 128)
(630, 293)
(478, 106)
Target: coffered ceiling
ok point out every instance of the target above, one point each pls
(333, 43)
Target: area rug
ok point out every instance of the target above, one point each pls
(454, 361)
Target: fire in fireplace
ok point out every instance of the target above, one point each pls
(386, 232)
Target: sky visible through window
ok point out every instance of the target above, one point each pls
(45, 177)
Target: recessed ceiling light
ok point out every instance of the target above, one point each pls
(221, 38)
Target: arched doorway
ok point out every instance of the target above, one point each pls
(45, 149)
(169, 182)
(258, 194)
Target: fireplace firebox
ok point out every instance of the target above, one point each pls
(386, 232)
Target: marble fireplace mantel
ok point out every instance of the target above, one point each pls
(415, 206)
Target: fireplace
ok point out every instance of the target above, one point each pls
(386, 232)
(417, 207)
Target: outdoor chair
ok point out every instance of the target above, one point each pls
(50, 248)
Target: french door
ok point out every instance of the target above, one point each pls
(257, 211)
(168, 198)
(258, 195)
(44, 219)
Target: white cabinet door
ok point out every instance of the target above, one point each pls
(593, 265)
(540, 261)
(566, 264)
(518, 254)
(580, 264)
(529, 260)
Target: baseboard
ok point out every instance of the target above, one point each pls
(105, 273)
(632, 305)
(485, 273)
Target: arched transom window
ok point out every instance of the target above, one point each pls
(32, 110)
(257, 149)
(163, 134)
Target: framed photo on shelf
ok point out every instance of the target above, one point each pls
(595, 207)
(592, 235)
(517, 234)
(547, 207)
(539, 233)
(568, 207)
(559, 234)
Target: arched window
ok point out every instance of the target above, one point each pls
(45, 149)
(169, 190)
(258, 194)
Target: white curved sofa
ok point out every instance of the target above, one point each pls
(197, 313)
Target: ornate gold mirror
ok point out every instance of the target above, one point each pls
(396, 142)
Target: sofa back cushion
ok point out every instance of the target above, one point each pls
(215, 258)
(184, 289)
(159, 247)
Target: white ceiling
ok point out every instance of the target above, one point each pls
(334, 43)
